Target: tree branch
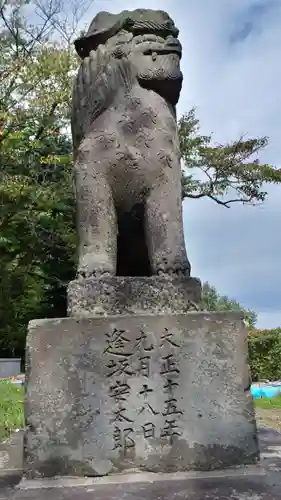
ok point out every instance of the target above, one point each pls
(226, 204)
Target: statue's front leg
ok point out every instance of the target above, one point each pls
(164, 230)
(96, 221)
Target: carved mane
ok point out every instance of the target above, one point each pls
(99, 78)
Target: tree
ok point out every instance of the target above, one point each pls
(37, 239)
(212, 301)
(229, 173)
(37, 244)
(265, 354)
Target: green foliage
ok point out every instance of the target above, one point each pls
(228, 173)
(265, 354)
(212, 301)
(37, 244)
(11, 408)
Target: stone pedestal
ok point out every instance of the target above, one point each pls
(156, 392)
(116, 295)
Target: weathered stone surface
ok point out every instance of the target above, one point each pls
(157, 393)
(126, 147)
(247, 482)
(116, 295)
(11, 455)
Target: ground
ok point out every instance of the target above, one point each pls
(269, 418)
(268, 412)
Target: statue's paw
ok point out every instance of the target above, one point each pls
(175, 268)
(96, 273)
(91, 267)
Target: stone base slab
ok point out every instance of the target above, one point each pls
(140, 477)
(160, 393)
(117, 295)
(239, 485)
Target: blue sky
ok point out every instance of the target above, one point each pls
(232, 75)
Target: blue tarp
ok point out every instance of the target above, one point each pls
(265, 391)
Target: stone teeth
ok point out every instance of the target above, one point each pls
(154, 56)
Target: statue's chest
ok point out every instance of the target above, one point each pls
(145, 121)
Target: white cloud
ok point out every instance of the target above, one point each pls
(236, 88)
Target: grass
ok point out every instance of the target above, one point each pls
(269, 403)
(11, 408)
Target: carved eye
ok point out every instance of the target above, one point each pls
(130, 21)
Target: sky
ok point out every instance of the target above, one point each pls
(232, 75)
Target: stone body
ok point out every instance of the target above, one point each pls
(160, 393)
(126, 147)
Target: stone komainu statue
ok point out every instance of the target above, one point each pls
(126, 147)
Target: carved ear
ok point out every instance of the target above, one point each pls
(91, 69)
(104, 26)
(99, 60)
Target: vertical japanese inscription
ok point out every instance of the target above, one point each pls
(119, 367)
(123, 439)
(146, 347)
(144, 392)
(170, 370)
(121, 353)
